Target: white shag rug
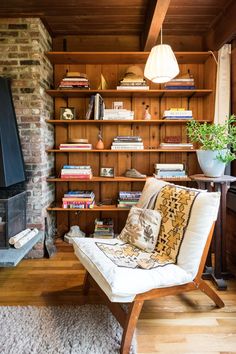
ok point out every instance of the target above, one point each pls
(86, 329)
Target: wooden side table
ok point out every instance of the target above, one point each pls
(219, 184)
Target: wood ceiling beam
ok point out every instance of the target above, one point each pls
(155, 17)
(224, 29)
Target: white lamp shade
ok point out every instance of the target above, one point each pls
(161, 65)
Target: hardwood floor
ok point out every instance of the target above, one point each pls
(181, 324)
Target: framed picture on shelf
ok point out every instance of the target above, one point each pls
(117, 105)
(107, 172)
(67, 113)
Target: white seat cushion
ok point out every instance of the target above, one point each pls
(122, 284)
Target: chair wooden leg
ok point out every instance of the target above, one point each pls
(205, 288)
(132, 318)
(86, 284)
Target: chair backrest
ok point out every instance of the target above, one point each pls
(202, 214)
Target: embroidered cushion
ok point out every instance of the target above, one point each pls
(142, 228)
(175, 204)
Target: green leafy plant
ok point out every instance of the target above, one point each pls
(215, 137)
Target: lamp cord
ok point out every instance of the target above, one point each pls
(210, 51)
(161, 34)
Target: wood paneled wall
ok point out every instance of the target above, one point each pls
(100, 43)
(152, 135)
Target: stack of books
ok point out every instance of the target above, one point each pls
(75, 146)
(74, 80)
(132, 85)
(176, 146)
(118, 114)
(169, 170)
(95, 108)
(177, 113)
(79, 172)
(133, 79)
(78, 199)
(127, 199)
(127, 143)
(185, 83)
(104, 228)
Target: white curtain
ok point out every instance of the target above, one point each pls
(222, 101)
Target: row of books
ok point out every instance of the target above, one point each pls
(79, 172)
(125, 142)
(133, 80)
(186, 83)
(103, 228)
(178, 113)
(85, 199)
(161, 170)
(74, 80)
(79, 199)
(176, 146)
(169, 170)
(127, 199)
(96, 107)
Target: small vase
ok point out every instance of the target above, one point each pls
(147, 115)
(100, 145)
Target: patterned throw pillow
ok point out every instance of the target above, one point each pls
(175, 204)
(142, 228)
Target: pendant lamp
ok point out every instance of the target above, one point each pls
(161, 65)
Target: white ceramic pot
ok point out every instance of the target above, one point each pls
(210, 165)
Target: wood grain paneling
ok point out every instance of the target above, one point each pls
(200, 65)
(88, 21)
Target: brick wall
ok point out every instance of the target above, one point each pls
(23, 43)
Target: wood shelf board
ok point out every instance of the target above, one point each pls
(58, 207)
(134, 121)
(129, 93)
(120, 151)
(120, 57)
(115, 179)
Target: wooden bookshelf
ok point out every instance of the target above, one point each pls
(134, 121)
(96, 208)
(119, 151)
(76, 93)
(113, 180)
(112, 65)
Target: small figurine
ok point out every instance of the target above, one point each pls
(100, 144)
(147, 115)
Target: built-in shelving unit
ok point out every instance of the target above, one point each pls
(130, 93)
(134, 121)
(113, 179)
(112, 65)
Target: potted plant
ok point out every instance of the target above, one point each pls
(217, 145)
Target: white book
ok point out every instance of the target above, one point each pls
(133, 88)
(76, 172)
(127, 147)
(118, 143)
(183, 113)
(169, 166)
